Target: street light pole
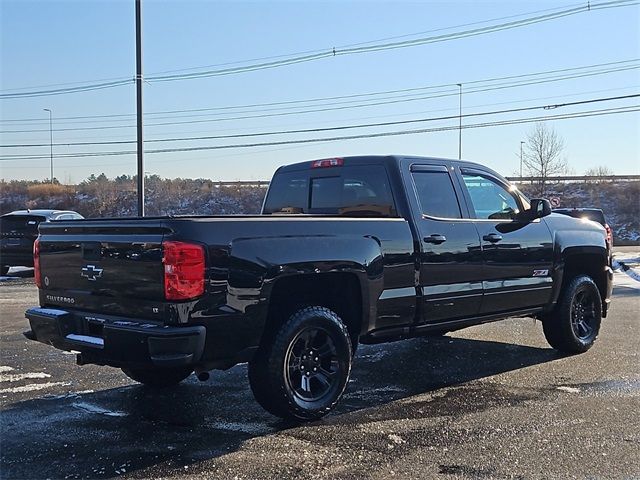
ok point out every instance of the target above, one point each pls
(140, 145)
(460, 128)
(50, 140)
(521, 143)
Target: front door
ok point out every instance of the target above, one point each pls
(517, 255)
(450, 256)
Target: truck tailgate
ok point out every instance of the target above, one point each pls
(99, 264)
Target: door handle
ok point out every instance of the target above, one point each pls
(492, 237)
(435, 238)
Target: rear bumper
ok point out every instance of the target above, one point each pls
(108, 340)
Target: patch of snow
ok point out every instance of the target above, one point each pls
(397, 439)
(5, 368)
(569, 389)
(16, 377)
(624, 265)
(33, 387)
(91, 408)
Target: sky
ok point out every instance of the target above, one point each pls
(53, 44)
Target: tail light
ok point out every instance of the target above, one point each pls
(328, 162)
(36, 262)
(183, 270)
(609, 234)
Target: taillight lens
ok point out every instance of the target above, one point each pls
(183, 270)
(609, 234)
(36, 262)
(327, 162)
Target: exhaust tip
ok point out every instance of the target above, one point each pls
(203, 376)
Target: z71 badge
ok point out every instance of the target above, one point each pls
(540, 273)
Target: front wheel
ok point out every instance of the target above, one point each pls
(303, 371)
(575, 323)
(158, 377)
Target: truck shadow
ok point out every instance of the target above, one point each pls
(118, 431)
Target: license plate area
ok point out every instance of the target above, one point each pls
(95, 328)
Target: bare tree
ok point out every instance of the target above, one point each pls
(542, 156)
(600, 171)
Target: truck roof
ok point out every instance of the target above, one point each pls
(376, 159)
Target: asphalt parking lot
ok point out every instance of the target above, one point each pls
(493, 401)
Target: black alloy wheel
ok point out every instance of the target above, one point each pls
(302, 367)
(583, 314)
(312, 366)
(574, 324)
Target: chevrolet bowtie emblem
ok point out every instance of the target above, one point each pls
(91, 272)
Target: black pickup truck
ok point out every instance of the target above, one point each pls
(346, 251)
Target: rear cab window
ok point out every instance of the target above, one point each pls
(355, 191)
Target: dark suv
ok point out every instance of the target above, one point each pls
(18, 231)
(593, 214)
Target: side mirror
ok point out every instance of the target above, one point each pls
(540, 207)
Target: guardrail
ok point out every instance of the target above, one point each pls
(242, 183)
(554, 179)
(576, 178)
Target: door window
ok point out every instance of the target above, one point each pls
(490, 200)
(436, 194)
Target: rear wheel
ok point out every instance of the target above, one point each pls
(575, 323)
(302, 373)
(158, 377)
(4, 269)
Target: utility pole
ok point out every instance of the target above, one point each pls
(521, 143)
(460, 128)
(140, 145)
(50, 140)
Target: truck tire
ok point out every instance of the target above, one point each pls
(158, 377)
(575, 323)
(4, 269)
(302, 372)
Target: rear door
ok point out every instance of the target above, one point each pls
(450, 258)
(517, 256)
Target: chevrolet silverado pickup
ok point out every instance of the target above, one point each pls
(347, 250)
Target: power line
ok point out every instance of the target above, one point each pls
(368, 42)
(395, 45)
(159, 138)
(260, 59)
(339, 97)
(332, 52)
(608, 111)
(412, 97)
(339, 106)
(342, 127)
